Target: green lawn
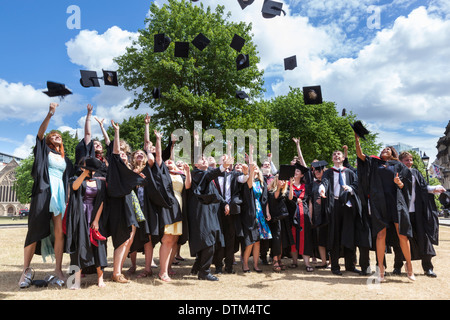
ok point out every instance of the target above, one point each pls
(13, 220)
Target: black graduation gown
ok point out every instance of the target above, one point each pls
(248, 213)
(119, 206)
(303, 238)
(348, 232)
(372, 189)
(202, 213)
(171, 213)
(425, 221)
(87, 150)
(40, 216)
(235, 204)
(82, 252)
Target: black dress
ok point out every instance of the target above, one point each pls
(40, 215)
(388, 204)
(120, 213)
(83, 253)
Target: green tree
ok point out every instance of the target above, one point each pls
(200, 87)
(320, 128)
(132, 131)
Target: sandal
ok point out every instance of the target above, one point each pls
(164, 277)
(309, 269)
(28, 274)
(120, 278)
(144, 274)
(276, 267)
(293, 265)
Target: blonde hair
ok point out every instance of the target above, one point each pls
(140, 166)
(259, 175)
(273, 186)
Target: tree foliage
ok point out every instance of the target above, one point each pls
(201, 87)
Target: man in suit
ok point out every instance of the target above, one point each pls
(229, 186)
(339, 192)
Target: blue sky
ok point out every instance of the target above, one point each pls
(395, 75)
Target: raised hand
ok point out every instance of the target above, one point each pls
(147, 119)
(89, 109)
(52, 108)
(100, 122)
(115, 125)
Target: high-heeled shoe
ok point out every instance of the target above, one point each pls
(91, 238)
(97, 235)
(411, 276)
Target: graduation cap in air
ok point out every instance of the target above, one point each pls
(303, 169)
(201, 41)
(237, 43)
(290, 63)
(286, 172)
(182, 49)
(312, 95)
(161, 42)
(91, 79)
(359, 129)
(319, 165)
(241, 95)
(56, 90)
(242, 61)
(344, 112)
(156, 92)
(245, 3)
(271, 9)
(444, 199)
(110, 78)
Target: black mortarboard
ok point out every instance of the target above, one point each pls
(242, 61)
(245, 3)
(303, 169)
(241, 95)
(444, 199)
(271, 9)
(359, 129)
(237, 43)
(110, 78)
(312, 95)
(286, 172)
(290, 63)
(182, 49)
(56, 89)
(92, 164)
(156, 92)
(200, 41)
(89, 79)
(161, 42)
(319, 164)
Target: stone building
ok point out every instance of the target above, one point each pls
(9, 205)
(443, 157)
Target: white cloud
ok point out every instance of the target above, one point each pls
(97, 51)
(29, 104)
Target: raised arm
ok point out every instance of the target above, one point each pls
(158, 150)
(105, 134)
(146, 131)
(188, 181)
(299, 152)
(87, 125)
(116, 147)
(251, 168)
(359, 152)
(46, 121)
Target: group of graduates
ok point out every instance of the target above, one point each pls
(146, 197)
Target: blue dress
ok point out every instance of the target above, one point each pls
(264, 230)
(56, 168)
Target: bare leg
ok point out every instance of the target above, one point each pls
(28, 253)
(59, 246)
(406, 250)
(256, 250)
(247, 251)
(381, 248)
(165, 252)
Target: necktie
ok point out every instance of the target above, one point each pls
(341, 180)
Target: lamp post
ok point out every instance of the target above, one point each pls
(425, 160)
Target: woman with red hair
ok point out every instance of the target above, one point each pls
(51, 171)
